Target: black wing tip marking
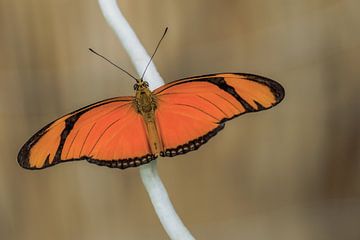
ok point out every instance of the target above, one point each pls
(23, 160)
(192, 145)
(276, 88)
(23, 155)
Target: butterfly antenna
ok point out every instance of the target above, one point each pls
(92, 50)
(152, 56)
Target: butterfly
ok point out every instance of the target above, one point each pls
(129, 131)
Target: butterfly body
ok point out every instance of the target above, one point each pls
(145, 103)
(174, 119)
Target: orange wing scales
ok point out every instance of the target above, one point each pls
(207, 103)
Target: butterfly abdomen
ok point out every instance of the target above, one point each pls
(154, 138)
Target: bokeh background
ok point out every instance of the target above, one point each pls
(288, 173)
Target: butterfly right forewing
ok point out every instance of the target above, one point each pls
(190, 111)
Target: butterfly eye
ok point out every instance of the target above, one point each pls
(146, 84)
(136, 87)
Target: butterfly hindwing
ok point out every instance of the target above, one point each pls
(192, 110)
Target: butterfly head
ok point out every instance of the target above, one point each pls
(140, 86)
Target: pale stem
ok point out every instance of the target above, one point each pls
(148, 172)
(130, 42)
(162, 204)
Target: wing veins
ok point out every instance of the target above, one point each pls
(212, 104)
(87, 135)
(102, 134)
(229, 102)
(67, 154)
(180, 104)
(116, 108)
(111, 111)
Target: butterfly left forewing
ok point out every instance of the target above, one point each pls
(109, 133)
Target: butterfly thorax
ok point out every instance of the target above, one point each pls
(145, 103)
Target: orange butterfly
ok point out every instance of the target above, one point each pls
(129, 131)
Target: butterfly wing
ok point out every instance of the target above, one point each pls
(190, 111)
(109, 133)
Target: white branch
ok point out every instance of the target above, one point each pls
(148, 172)
(162, 204)
(131, 43)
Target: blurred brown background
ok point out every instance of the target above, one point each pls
(288, 173)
